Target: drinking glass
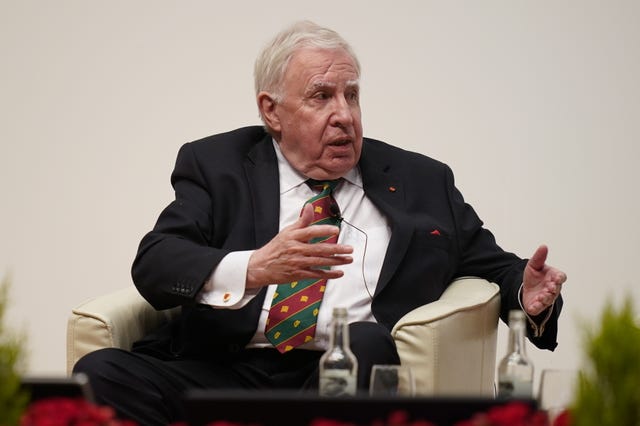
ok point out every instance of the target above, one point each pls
(391, 380)
(557, 390)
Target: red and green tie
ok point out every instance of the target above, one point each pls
(294, 310)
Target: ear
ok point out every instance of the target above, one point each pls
(267, 106)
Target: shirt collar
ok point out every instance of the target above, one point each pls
(290, 178)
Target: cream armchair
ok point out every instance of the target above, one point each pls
(450, 344)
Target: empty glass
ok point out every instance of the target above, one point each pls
(557, 390)
(391, 380)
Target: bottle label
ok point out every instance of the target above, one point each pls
(337, 383)
(515, 389)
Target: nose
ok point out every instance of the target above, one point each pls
(342, 115)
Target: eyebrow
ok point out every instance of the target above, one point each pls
(322, 84)
(353, 83)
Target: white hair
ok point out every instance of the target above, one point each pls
(273, 60)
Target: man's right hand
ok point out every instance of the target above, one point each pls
(290, 257)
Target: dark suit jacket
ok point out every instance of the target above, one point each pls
(227, 199)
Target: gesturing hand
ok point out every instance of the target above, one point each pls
(542, 283)
(290, 257)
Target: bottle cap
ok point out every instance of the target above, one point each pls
(516, 315)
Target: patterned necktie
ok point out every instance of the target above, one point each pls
(294, 310)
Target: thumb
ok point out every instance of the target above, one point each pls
(539, 257)
(306, 216)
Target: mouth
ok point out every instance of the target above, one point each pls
(340, 142)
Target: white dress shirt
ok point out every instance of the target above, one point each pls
(364, 228)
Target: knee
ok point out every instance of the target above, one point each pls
(372, 341)
(103, 365)
(99, 360)
(121, 380)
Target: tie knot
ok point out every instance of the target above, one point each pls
(323, 185)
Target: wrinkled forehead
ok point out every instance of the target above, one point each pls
(307, 51)
(323, 68)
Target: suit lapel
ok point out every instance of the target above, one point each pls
(385, 188)
(261, 168)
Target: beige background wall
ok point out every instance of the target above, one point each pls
(535, 105)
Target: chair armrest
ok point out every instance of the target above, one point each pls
(450, 344)
(113, 320)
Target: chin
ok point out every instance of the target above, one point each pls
(335, 168)
(337, 174)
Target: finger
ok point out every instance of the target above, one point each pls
(322, 262)
(326, 249)
(554, 289)
(549, 296)
(535, 308)
(554, 281)
(540, 304)
(304, 220)
(539, 257)
(315, 231)
(305, 255)
(302, 274)
(306, 260)
(547, 300)
(306, 216)
(560, 277)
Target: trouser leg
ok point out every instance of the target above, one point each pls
(137, 387)
(150, 391)
(372, 344)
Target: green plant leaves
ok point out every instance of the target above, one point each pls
(13, 399)
(608, 390)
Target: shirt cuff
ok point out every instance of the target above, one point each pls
(225, 287)
(538, 329)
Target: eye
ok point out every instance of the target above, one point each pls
(322, 96)
(353, 96)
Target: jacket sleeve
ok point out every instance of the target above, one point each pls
(481, 256)
(176, 257)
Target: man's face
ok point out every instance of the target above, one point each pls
(318, 121)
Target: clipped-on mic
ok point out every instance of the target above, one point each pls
(335, 212)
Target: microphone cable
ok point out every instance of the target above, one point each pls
(334, 210)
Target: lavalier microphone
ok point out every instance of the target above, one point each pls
(335, 212)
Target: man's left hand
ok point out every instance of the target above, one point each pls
(541, 284)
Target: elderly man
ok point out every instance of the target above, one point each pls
(238, 228)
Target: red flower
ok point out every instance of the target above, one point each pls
(563, 419)
(512, 414)
(68, 411)
(78, 412)
(508, 415)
